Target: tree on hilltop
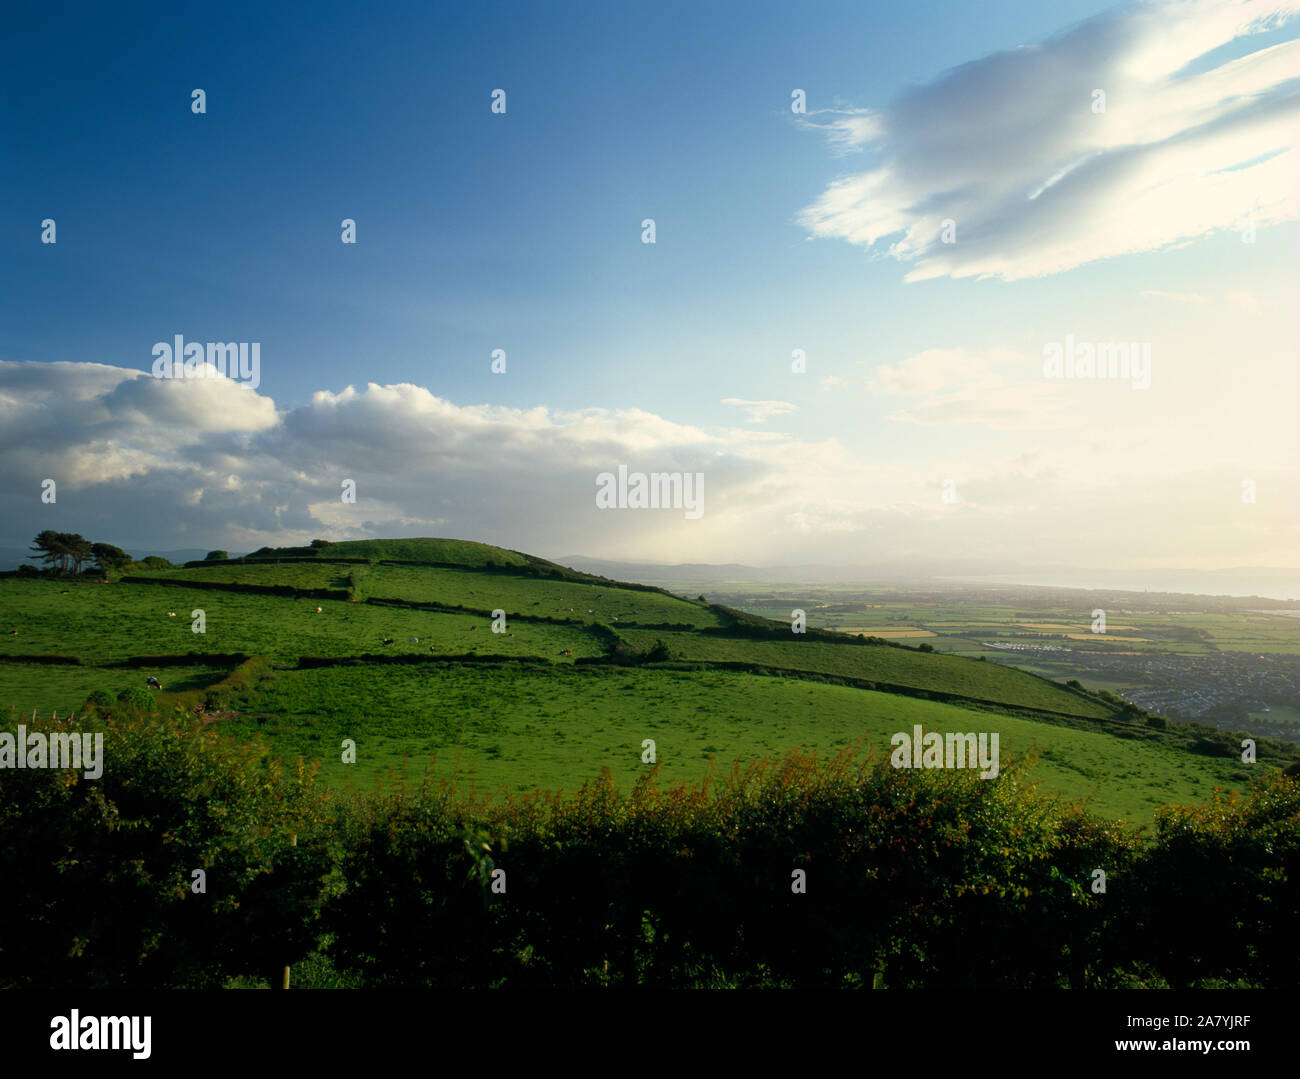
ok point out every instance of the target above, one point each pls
(61, 549)
(108, 557)
(49, 549)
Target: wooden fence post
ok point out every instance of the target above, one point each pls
(293, 842)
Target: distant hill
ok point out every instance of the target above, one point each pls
(1265, 582)
(648, 572)
(418, 549)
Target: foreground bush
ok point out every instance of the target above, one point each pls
(911, 879)
(1221, 891)
(96, 875)
(905, 878)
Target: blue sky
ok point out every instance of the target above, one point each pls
(475, 231)
(522, 232)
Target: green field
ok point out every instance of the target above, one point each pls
(63, 689)
(514, 711)
(521, 729)
(882, 663)
(523, 595)
(100, 623)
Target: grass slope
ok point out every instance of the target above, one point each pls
(534, 718)
(897, 666)
(554, 728)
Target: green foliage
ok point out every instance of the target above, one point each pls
(96, 875)
(217, 700)
(63, 551)
(659, 652)
(1222, 890)
(217, 556)
(914, 879)
(108, 558)
(139, 699)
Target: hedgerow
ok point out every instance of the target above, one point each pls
(841, 872)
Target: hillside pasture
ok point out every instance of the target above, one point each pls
(103, 623)
(519, 729)
(880, 663)
(532, 595)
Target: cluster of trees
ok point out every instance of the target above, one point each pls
(64, 551)
(72, 553)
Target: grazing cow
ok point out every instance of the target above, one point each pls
(412, 640)
(318, 610)
(13, 633)
(152, 683)
(388, 640)
(64, 592)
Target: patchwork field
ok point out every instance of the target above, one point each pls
(896, 666)
(100, 623)
(1189, 632)
(582, 672)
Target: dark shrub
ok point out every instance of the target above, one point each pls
(96, 876)
(135, 697)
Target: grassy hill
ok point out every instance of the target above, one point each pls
(392, 643)
(450, 551)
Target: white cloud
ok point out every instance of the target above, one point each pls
(960, 386)
(1009, 147)
(1177, 297)
(1246, 301)
(761, 411)
(525, 478)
